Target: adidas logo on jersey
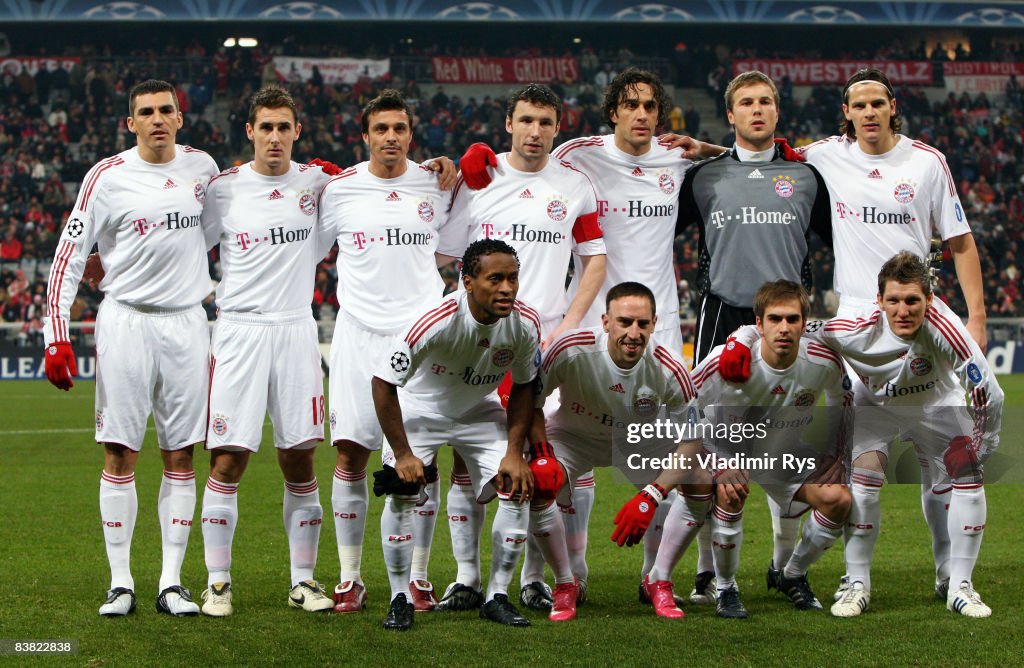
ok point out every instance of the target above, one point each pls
(393, 197)
(276, 195)
(484, 343)
(778, 389)
(756, 174)
(638, 172)
(170, 184)
(526, 194)
(617, 387)
(874, 174)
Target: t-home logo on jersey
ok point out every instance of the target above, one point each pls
(636, 208)
(174, 220)
(274, 236)
(872, 215)
(751, 215)
(393, 236)
(520, 232)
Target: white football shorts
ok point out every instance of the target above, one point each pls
(151, 361)
(265, 364)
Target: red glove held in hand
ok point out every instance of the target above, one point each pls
(633, 519)
(329, 168)
(548, 474)
(61, 365)
(787, 151)
(734, 363)
(474, 163)
(960, 458)
(505, 390)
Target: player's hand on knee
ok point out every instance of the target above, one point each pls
(961, 458)
(828, 470)
(548, 474)
(636, 515)
(61, 365)
(787, 151)
(474, 164)
(515, 478)
(732, 486)
(734, 362)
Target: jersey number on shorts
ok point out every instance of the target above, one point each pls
(318, 410)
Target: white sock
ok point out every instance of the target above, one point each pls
(396, 536)
(547, 529)
(176, 507)
(508, 538)
(785, 531)
(577, 524)
(685, 518)
(935, 500)
(705, 558)
(466, 523)
(726, 540)
(652, 538)
(533, 559)
(303, 518)
(349, 500)
(119, 505)
(861, 531)
(967, 514)
(819, 534)
(219, 519)
(424, 519)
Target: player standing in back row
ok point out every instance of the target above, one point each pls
(142, 207)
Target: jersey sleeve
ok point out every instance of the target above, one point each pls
(839, 403)
(951, 340)
(527, 359)
(455, 236)
(821, 210)
(947, 214)
(212, 218)
(681, 391)
(688, 212)
(84, 227)
(409, 353)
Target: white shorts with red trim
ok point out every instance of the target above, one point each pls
(266, 364)
(480, 437)
(355, 357)
(151, 361)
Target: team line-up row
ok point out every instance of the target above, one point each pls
(613, 204)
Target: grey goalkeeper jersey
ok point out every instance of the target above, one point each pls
(755, 220)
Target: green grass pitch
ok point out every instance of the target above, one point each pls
(55, 576)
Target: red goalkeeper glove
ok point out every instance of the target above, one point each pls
(788, 153)
(960, 458)
(548, 474)
(474, 163)
(734, 362)
(635, 516)
(61, 365)
(329, 168)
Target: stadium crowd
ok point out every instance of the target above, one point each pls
(54, 125)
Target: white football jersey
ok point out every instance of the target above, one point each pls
(884, 204)
(449, 362)
(546, 216)
(145, 218)
(387, 231)
(637, 213)
(596, 396)
(269, 236)
(932, 369)
(790, 395)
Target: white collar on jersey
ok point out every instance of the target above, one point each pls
(745, 155)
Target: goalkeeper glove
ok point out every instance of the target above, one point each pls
(734, 362)
(548, 474)
(329, 168)
(787, 151)
(960, 458)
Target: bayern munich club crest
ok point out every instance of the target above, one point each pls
(920, 366)
(99, 420)
(502, 357)
(644, 407)
(666, 183)
(904, 192)
(200, 192)
(219, 425)
(307, 204)
(785, 186)
(557, 210)
(425, 210)
(805, 399)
